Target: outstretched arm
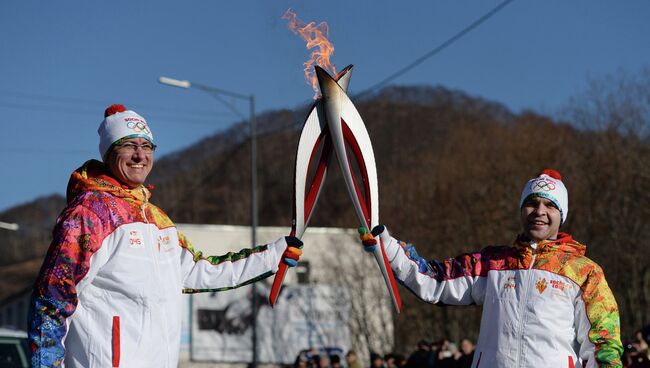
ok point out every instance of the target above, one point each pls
(452, 281)
(232, 270)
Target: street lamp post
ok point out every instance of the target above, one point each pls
(218, 93)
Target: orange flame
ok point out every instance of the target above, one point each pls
(316, 37)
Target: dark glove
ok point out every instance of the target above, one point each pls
(368, 238)
(293, 252)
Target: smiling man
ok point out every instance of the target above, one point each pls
(131, 165)
(109, 290)
(545, 304)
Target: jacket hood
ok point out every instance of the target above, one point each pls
(93, 175)
(564, 243)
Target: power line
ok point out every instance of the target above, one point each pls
(45, 151)
(413, 64)
(33, 107)
(103, 104)
(291, 126)
(21, 94)
(436, 50)
(201, 120)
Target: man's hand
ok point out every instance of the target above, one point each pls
(293, 252)
(368, 238)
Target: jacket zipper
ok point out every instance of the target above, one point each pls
(522, 304)
(157, 271)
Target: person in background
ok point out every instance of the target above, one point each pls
(545, 304)
(421, 356)
(322, 360)
(447, 355)
(109, 291)
(400, 360)
(434, 348)
(335, 361)
(352, 359)
(467, 354)
(376, 361)
(389, 360)
(640, 344)
(632, 358)
(302, 361)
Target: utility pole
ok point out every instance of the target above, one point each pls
(218, 93)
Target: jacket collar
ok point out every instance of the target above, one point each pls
(563, 244)
(93, 175)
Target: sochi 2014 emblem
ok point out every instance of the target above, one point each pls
(137, 125)
(542, 184)
(541, 285)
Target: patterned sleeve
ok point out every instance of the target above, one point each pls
(75, 239)
(599, 333)
(451, 281)
(228, 271)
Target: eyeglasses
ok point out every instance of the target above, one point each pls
(132, 147)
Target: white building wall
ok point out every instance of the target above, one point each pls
(335, 257)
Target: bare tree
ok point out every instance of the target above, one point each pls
(615, 113)
(370, 320)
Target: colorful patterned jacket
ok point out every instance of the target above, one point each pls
(544, 304)
(109, 291)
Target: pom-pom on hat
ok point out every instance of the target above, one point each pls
(548, 184)
(121, 123)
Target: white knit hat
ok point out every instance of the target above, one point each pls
(548, 184)
(121, 123)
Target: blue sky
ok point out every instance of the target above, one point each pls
(64, 62)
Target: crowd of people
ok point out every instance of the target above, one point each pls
(447, 354)
(441, 354)
(438, 354)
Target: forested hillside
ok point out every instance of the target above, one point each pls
(451, 169)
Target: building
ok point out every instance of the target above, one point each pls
(332, 263)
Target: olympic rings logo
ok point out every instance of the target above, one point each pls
(138, 126)
(542, 185)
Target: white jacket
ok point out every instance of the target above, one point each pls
(544, 305)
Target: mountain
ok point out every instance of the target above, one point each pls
(36, 220)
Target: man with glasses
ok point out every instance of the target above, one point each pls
(109, 290)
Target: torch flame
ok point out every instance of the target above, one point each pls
(316, 37)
